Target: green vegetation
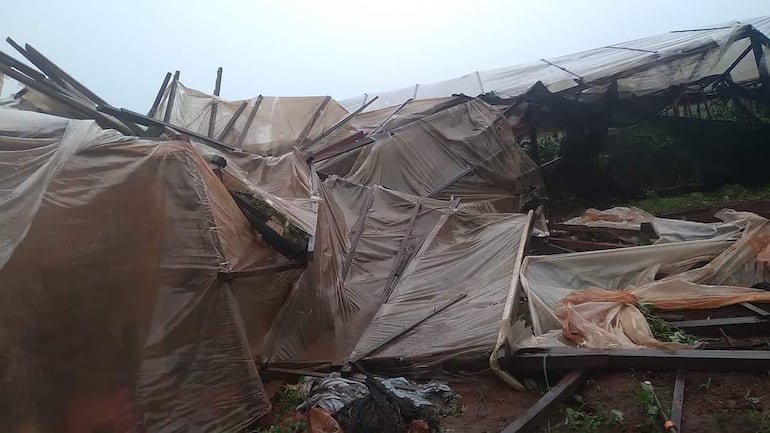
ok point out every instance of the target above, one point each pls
(663, 331)
(760, 421)
(649, 407)
(289, 397)
(728, 193)
(455, 406)
(582, 421)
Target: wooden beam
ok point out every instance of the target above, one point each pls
(148, 121)
(572, 358)
(394, 337)
(379, 127)
(171, 97)
(737, 60)
(678, 400)
(213, 113)
(550, 401)
(233, 119)
(761, 61)
(750, 325)
(64, 76)
(159, 95)
(358, 228)
(69, 102)
(313, 119)
(339, 124)
(249, 121)
(396, 268)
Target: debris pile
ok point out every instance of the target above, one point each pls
(155, 267)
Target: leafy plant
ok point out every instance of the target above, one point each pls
(663, 330)
(455, 406)
(581, 420)
(705, 385)
(646, 400)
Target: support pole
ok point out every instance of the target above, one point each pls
(159, 95)
(539, 412)
(316, 114)
(339, 124)
(214, 103)
(171, 97)
(249, 121)
(358, 228)
(233, 119)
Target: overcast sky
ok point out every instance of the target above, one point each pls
(122, 49)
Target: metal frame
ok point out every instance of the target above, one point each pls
(538, 413)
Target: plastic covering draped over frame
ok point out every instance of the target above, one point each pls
(590, 298)
(466, 150)
(277, 123)
(114, 314)
(641, 66)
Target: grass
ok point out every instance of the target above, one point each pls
(728, 193)
(455, 406)
(757, 419)
(578, 420)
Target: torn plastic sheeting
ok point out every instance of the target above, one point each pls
(325, 315)
(668, 230)
(333, 393)
(158, 340)
(465, 268)
(597, 309)
(467, 149)
(276, 126)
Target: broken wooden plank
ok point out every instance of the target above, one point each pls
(171, 97)
(249, 122)
(357, 229)
(148, 121)
(159, 95)
(678, 400)
(539, 412)
(233, 119)
(338, 125)
(214, 103)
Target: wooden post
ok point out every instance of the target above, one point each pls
(171, 97)
(249, 121)
(396, 270)
(213, 115)
(759, 58)
(387, 119)
(159, 95)
(311, 123)
(231, 122)
(339, 124)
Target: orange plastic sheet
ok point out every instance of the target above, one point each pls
(119, 285)
(590, 298)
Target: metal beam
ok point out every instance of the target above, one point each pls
(215, 103)
(571, 359)
(539, 412)
(678, 400)
(750, 325)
